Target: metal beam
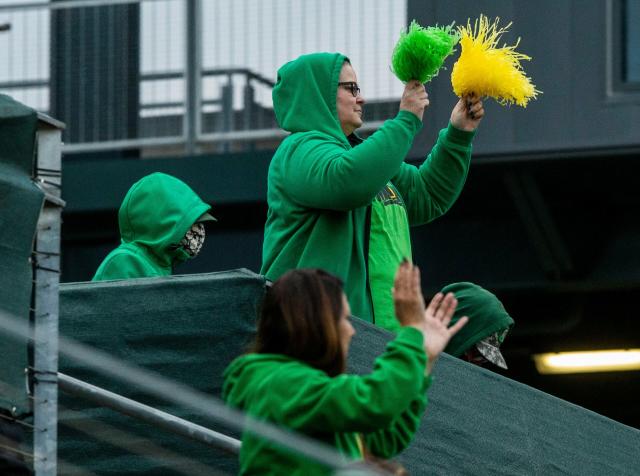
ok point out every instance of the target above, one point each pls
(192, 122)
(67, 4)
(46, 264)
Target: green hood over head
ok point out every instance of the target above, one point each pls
(304, 97)
(486, 315)
(157, 212)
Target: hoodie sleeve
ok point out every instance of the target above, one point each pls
(308, 400)
(394, 439)
(431, 189)
(317, 172)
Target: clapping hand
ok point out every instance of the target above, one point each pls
(408, 301)
(433, 321)
(437, 332)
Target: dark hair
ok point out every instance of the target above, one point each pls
(299, 318)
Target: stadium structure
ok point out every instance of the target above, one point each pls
(124, 377)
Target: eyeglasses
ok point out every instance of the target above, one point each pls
(351, 86)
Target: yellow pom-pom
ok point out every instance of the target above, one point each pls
(489, 71)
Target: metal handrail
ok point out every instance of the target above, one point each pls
(251, 75)
(178, 393)
(202, 125)
(205, 138)
(67, 4)
(148, 414)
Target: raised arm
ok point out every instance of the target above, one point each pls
(432, 188)
(390, 441)
(394, 439)
(318, 171)
(308, 399)
(314, 402)
(378, 402)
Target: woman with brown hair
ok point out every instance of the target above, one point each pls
(294, 375)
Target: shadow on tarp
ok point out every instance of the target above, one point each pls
(189, 328)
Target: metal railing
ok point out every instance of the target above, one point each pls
(143, 412)
(208, 407)
(182, 75)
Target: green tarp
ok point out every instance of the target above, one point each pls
(20, 204)
(186, 328)
(189, 328)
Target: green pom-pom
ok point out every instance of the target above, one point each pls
(420, 52)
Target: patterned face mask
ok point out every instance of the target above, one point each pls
(490, 350)
(193, 240)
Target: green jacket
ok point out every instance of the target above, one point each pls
(156, 213)
(385, 406)
(320, 187)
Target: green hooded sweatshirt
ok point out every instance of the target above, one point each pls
(383, 409)
(156, 213)
(320, 188)
(486, 315)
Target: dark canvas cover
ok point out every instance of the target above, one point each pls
(186, 328)
(20, 204)
(189, 328)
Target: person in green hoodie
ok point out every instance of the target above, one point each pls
(489, 322)
(345, 204)
(294, 375)
(161, 224)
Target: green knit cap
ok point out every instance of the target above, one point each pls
(486, 315)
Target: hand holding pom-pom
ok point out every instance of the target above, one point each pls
(414, 98)
(489, 71)
(420, 52)
(467, 113)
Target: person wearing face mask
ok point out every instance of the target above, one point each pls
(161, 223)
(294, 374)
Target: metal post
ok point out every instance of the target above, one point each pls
(226, 114)
(47, 276)
(249, 104)
(193, 76)
(249, 111)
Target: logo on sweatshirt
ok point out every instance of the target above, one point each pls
(389, 196)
